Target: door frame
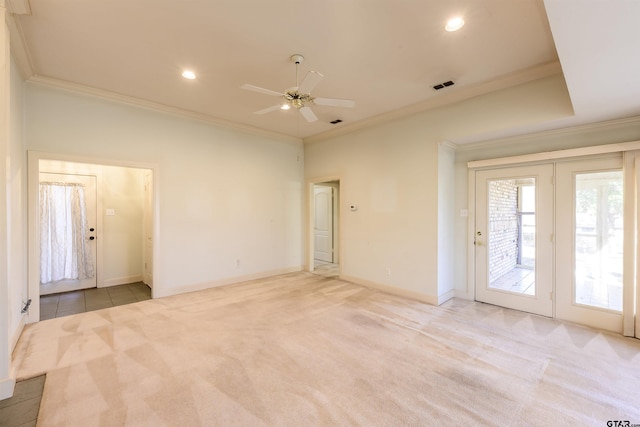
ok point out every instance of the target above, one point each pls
(147, 232)
(631, 290)
(329, 212)
(337, 224)
(33, 203)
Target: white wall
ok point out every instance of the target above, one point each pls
(13, 249)
(228, 203)
(385, 242)
(121, 240)
(122, 191)
(391, 172)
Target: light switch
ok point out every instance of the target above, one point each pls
(464, 213)
(111, 212)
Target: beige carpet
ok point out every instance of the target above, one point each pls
(302, 349)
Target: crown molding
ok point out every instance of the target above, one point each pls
(157, 107)
(535, 136)
(556, 155)
(448, 144)
(448, 98)
(18, 47)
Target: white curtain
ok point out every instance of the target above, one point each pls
(64, 249)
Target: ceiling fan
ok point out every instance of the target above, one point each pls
(299, 96)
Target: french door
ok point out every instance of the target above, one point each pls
(513, 238)
(589, 227)
(549, 240)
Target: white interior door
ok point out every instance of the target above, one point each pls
(589, 248)
(514, 238)
(323, 223)
(90, 191)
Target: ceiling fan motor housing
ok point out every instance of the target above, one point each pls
(297, 58)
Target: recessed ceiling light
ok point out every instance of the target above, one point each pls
(454, 24)
(189, 75)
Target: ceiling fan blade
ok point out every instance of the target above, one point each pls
(310, 81)
(308, 114)
(260, 90)
(268, 109)
(335, 102)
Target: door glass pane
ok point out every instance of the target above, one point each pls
(598, 239)
(512, 235)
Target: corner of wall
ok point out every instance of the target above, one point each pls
(446, 296)
(160, 292)
(446, 220)
(429, 299)
(18, 332)
(7, 386)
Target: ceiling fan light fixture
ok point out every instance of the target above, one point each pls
(454, 24)
(285, 106)
(189, 75)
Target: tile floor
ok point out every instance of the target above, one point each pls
(58, 305)
(22, 409)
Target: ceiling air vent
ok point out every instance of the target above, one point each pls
(443, 85)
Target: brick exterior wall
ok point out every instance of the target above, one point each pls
(503, 227)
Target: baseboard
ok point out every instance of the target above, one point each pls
(463, 295)
(121, 281)
(429, 299)
(7, 386)
(446, 296)
(159, 292)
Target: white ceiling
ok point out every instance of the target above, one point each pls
(384, 54)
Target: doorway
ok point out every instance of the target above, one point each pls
(325, 230)
(549, 240)
(117, 231)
